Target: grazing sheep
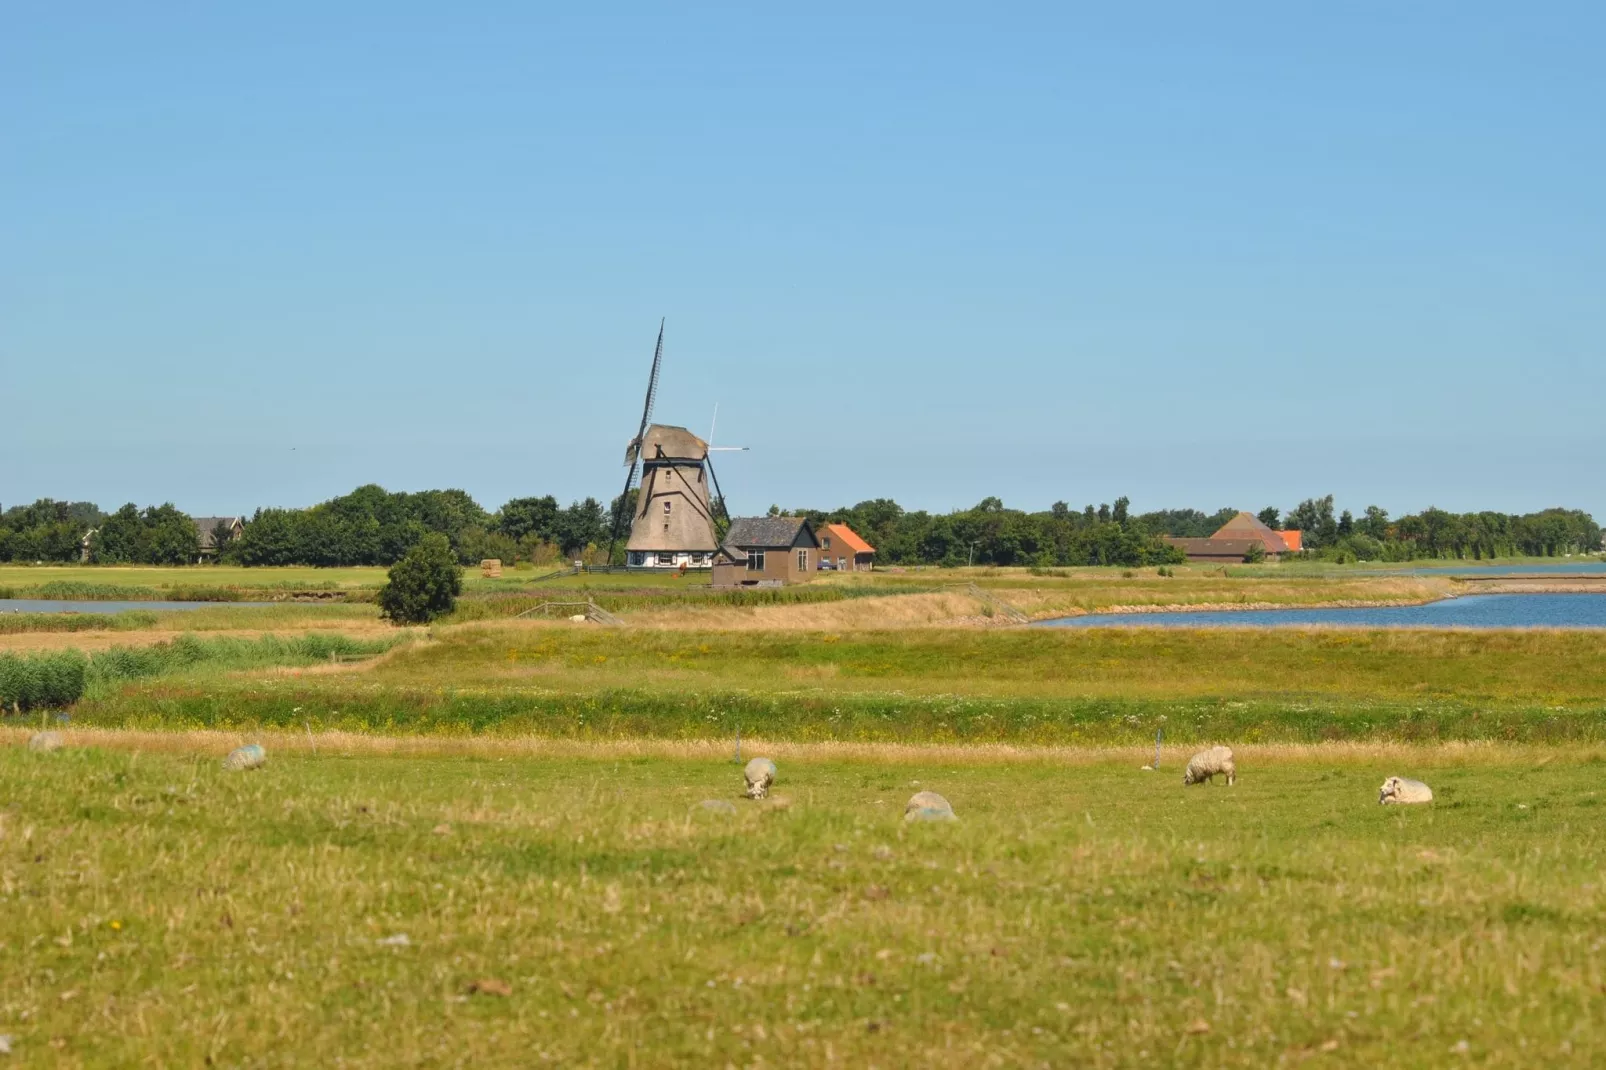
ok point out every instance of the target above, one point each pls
(760, 774)
(1399, 789)
(928, 806)
(250, 756)
(44, 742)
(1208, 763)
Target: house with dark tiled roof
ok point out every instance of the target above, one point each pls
(766, 551)
(842, 550)
(1235, 540)
(207, 527)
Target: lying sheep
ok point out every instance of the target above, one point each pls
(1399, 789)
(250, 756)
(760, 774)
(1208, 763)
(928, 806)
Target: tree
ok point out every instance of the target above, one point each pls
(1119, 512)
(1255, 554)
(424, 584)
(579, 526)
(1376, 522)
(522, 517)
(1346, 524)
(1314, 517)
(1271, 517)
(222, 535)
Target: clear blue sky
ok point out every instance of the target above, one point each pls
(1205, 255)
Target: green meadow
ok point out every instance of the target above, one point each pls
(342, 909)
(1018, 686)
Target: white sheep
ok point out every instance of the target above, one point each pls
(1208, 763)
(1399, 789)
(928, 806)
(250, 756)
(760, 774)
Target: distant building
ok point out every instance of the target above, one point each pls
(673, 526)
(1235, 539)
(766, 551)
(842, 550)
(206, 528)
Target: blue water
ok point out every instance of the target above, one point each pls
(1472, 568)
(1473, 611)
(52, 605)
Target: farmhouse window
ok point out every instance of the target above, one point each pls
(841, 563)
(666, 559)
(755, 560)
(825, 544)
(667, 504)
(802, 560)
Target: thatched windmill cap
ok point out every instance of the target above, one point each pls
(667, 442)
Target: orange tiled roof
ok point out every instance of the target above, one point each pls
(849, 538)
(1293, 538)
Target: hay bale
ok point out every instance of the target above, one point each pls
(491, 568)
(45, 742)
(250, 756)
(928, 806)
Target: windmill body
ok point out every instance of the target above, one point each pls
(673, 522)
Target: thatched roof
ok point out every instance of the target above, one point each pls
(1249, 526)
(206, 525)
(665, 441)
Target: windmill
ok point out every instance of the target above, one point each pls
(672, 524)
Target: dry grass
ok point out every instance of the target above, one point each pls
(92, 641)
(200, 742)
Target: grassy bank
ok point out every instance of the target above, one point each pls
(1038, 687)
(57, 679)
(388, 911)
(206, 619)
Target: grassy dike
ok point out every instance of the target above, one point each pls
(374, 911)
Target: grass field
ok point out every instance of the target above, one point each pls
(389, 911)
(520, 801)
(1043, 687)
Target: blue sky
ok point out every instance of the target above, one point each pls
(1198, 255)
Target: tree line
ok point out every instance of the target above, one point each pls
(373, 526)
(1435, 533)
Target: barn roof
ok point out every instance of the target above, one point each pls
(769, 531)
(1212, 547)
(1249, 526)
(848, 537)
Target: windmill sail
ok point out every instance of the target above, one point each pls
(633, 451)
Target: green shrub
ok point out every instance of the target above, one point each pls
(42, 680)
(424, 584)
